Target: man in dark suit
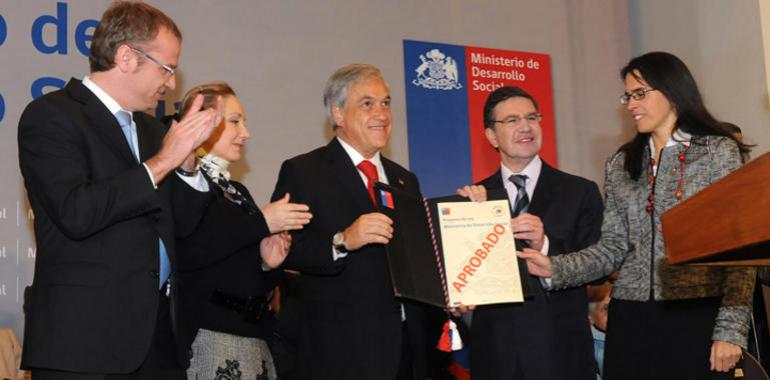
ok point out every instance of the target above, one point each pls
(351, 326)
(99, 176)
(547, 336)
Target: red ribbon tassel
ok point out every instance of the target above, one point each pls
(450, 338)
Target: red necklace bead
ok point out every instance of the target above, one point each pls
(679, 193)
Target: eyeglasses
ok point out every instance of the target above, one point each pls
(531, 118)
(169, 70)
(637, 94)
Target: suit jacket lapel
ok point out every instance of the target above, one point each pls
(342, 168)
(394, 177)
(147, 135)
(495, 181)
(545, 189)
(101, 121)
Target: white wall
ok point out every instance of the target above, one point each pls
(279, 53)
(721, 42)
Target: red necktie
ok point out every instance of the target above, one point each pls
(370, 171)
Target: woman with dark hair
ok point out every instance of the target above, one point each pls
(665, 322)
(226, 263)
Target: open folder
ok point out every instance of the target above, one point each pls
(449, 251)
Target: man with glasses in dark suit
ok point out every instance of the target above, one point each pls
(547, 337)
(100, 178)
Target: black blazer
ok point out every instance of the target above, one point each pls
(351, 325)
(222, 255)
(93, 303)
(548, 336)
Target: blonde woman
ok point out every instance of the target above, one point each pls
(227, 263)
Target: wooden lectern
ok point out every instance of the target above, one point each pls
(726, 224)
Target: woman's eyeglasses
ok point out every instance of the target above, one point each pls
(637, 94)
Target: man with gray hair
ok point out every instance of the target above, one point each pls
(352, 326)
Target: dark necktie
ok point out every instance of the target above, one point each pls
(370, 171)
(522, 200)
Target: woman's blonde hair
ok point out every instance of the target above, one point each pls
(210, 92)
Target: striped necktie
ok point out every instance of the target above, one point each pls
(522, 200)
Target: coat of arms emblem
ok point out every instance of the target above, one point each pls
(437, 71)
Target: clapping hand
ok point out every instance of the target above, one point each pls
(284, 216)
(274, 249)
(185, 136)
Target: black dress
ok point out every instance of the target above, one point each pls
(224, 290)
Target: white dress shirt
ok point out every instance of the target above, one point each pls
(377, 161)
(197, 182)
(357, 158)
(532, 171)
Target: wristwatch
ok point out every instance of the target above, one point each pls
(338, 242)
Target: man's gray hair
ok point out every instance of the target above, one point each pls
(336, 90)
